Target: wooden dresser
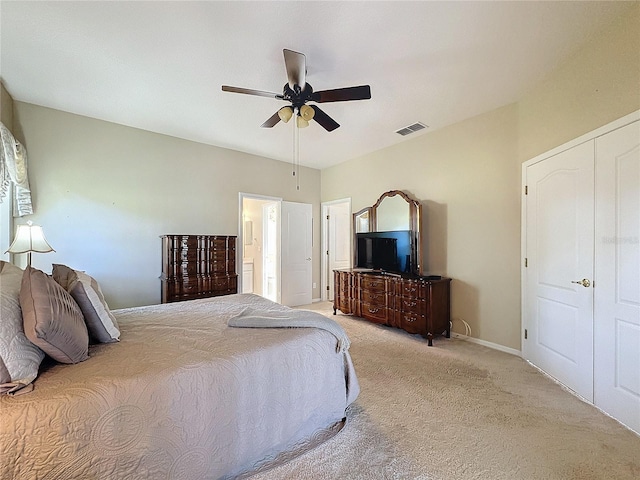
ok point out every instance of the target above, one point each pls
(413, 303)
(198, 266)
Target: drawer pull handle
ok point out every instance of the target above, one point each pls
(409, 319)
(373, 310)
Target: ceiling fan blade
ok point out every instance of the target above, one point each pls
(362, 92)
(271, 121)
(328, 123)
(249, 91)
(296, 66)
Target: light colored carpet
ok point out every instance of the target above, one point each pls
(460, 411)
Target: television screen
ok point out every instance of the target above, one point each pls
(390, 251)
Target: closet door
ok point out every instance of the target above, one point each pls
(559, 251)
(617, 275)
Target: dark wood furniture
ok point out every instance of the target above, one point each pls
(413, 303)
(198, 266)
(410, 301)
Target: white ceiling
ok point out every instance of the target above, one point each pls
(160, 65)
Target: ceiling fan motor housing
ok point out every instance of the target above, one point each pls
(297, 96)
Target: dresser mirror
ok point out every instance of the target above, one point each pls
(394, 211)
(361, 220)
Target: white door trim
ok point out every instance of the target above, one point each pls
(240, 244)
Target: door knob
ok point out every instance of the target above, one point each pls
(584, 282)
(309, 259)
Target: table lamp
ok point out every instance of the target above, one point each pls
(29, 238)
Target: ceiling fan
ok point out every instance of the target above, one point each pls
(299, 92)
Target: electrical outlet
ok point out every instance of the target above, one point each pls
(315, 284)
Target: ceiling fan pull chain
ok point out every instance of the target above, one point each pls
(296, 149)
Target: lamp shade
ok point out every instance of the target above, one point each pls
(285, 114)
(307, 112)
(30, 238)
(302, 123)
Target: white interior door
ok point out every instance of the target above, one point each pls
(337, 250)
(296, 253)
(617, 275)
(559, 252)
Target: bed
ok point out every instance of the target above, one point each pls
(182, 395)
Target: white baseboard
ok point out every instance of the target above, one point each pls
(484, 343)
(316, 300)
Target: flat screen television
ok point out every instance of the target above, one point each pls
(388, 251)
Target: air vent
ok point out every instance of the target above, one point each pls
(412, 129)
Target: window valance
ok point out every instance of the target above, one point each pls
(13, 169)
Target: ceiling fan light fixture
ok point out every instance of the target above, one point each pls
(285, 114)
(297, 92)
(307, 113)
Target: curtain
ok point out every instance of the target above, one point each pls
(13, 168)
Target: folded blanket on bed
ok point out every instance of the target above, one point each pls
(251, 318)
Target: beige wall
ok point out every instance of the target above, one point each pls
(598, 85)
(467, 180)
(104, 193)
(468, 175)
(6, 107)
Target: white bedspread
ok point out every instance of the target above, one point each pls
(252, 318)
(181, 396)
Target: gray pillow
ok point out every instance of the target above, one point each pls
(52, 319)
(101, 324)
(19, 358)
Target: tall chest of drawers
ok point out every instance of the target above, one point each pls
(198, 266)
(415, 304)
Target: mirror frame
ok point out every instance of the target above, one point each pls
(358, 214)
(415, 222)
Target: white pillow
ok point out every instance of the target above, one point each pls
(19, 358)
(102, 325)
